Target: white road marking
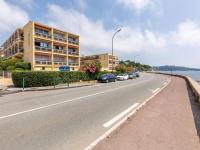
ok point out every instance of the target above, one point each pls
(164, 83)
(115, 119)
(154, 91)
(67, 101)
(109, 131)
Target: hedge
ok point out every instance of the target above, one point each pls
(50, 78)
(34, 79)
(46, 78)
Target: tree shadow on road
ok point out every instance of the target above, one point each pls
(195, 109)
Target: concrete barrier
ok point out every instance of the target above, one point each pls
(195, 86)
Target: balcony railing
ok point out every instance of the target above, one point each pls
(18, 50)
(60, 51)
(73, 53)
(43, 62)
(58, 38)
(73, 64)
(60, 63)
(46, 49)
(43, 35)
(72, 41)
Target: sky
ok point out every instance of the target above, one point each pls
(158, 32)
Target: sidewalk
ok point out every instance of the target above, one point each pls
(9, 90)
(5, 82)
(165, 123)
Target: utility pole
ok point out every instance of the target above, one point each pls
(112, 46)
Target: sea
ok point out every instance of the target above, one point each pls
(193, 74)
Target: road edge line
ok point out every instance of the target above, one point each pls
(116, 126)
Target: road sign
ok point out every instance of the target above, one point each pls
(64, 68)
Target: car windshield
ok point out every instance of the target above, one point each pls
(104, 75)
(121, 74)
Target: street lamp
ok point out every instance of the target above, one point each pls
(135, 58)
(112, 45)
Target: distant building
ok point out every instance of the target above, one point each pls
(46, 48)
(104, 59)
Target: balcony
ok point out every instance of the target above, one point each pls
(73, 53)
(43, 35)
(43, 62)
(59, 38)
(73, 41)
(73, 64)
(45, 49)
(60, 63)
(18, 50)
(60, 51)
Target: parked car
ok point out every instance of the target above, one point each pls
(107, 78)
(122, 76)
(137, 74)
(132, 75)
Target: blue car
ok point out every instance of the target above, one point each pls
(107, 78)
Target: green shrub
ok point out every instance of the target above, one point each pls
(68, 77)
(23, 65)
(50, 78)
(10, 68)
(19, 69)
(35, 78)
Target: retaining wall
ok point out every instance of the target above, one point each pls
(195, 86)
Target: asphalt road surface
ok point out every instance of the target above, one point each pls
(70, 119)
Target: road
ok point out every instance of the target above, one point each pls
(70, 119)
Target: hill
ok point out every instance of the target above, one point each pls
(175, 68)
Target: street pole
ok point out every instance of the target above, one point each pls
(2, 56)
(112, 46)
(135, 58)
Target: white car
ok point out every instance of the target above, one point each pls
(122, 76)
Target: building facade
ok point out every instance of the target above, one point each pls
(105, 60)
(46, 48)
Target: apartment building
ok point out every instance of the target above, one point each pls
(105, 60)
(46, 48)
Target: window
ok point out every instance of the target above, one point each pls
(41, 44)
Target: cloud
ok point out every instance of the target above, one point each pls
(137, 5)
(95, 37)
(82, 4)
(28, 3)
(11, 17)
(173, 47)
(187, 34)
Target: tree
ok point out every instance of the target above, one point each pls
(129, 66)
(92, 68)
(121, 68)
(11, 64)
(23, 65)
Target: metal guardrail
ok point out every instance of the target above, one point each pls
(43, 62)
(73, 53)
(43, 35)
(60, 51)
(72, 41)
(73, 64)
(46, 49)
(60, 63)
(57, 38)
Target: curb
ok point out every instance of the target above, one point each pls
(116, 126)
(6, 91)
